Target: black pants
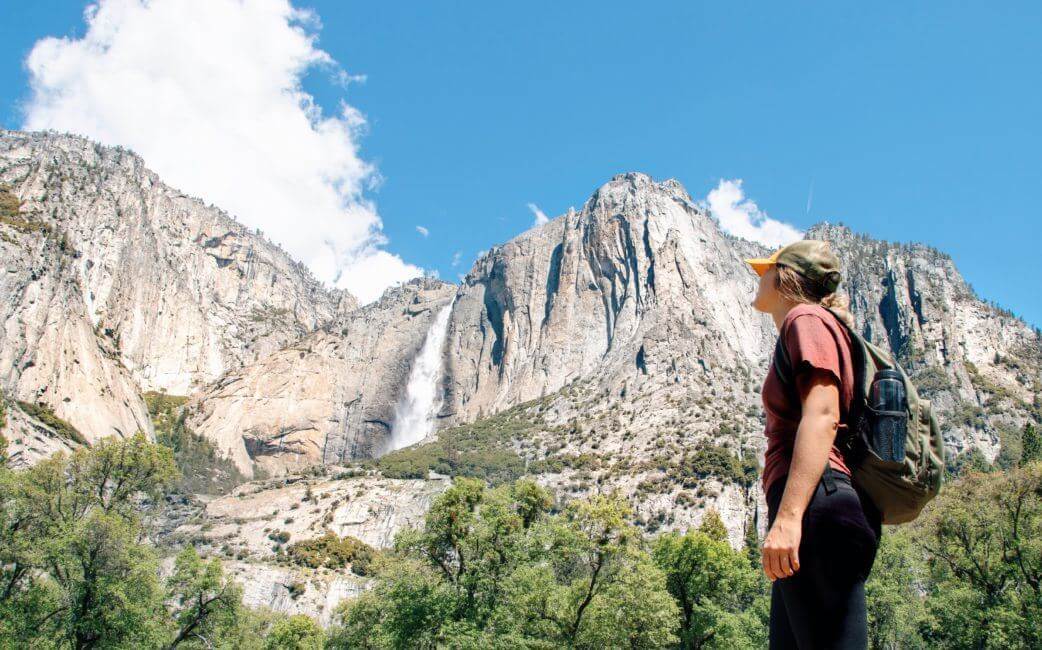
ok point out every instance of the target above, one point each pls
(822, 606)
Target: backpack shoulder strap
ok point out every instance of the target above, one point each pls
(780, 362)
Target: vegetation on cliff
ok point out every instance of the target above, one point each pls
(203, 469)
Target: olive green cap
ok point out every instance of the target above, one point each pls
(811, 258)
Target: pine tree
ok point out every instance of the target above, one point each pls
(1031, 446)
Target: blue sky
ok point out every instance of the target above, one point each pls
(910, 121)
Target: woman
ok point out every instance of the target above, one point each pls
(823, 532)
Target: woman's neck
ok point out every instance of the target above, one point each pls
(779, 314)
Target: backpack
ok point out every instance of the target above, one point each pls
(899, 490)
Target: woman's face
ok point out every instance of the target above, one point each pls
(767, 297)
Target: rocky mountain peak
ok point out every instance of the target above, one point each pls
(150, 289)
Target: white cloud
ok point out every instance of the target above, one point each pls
(741, 217)
(209, 93)
(540, 216)
(423, 231)
(456, 258)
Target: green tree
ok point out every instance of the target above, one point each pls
(297, 632)
(1031, 444)
(634, 610)
(984, 550)
(492, 568)
(713, 526)
(896, 608)
(207, 605)
(721, 597)
(75, 570)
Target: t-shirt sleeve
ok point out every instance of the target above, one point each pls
(810, 343)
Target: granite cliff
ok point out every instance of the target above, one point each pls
(115, 283)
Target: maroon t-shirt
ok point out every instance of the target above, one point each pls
(813, 337)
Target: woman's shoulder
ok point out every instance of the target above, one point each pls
(811, 322)
(808, 309)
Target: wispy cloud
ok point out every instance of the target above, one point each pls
(423, 231)
(540, 216)
(209, 93)
(456, 258)
(741, 217)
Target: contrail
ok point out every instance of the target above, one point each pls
(810, 196)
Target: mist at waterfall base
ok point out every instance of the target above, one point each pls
(414, 414)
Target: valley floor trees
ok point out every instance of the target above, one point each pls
(494, 567)
(76, 570)
(497, 567)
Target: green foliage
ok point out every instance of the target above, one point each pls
(968, 573)
(76, 572)
(713, 526)
(1010, 448)
(1031, 444)
(206, 603)
(333, 552)
(203, 469)
(481, 449)
(968, 414)
(715, 461)
(721, 596)
(494, 568)
(11, 213)
(3, 423)
(896, 608)
(931, 380)
(10, 206)
(295, 633)
(74, 568)
(44, 414)
(967, 461)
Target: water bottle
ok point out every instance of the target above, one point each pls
(889, 416)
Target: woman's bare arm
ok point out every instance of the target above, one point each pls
(819, 394)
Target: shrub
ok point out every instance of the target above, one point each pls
(332, 552)
(44, 414)
(714, 461)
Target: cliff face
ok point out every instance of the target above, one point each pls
(643, 298)
(640, 282)
(981, 366)
(120, 284)
(330, 396)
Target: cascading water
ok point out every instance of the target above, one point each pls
(415, 411)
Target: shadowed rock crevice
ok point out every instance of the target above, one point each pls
(890, 312)
(494, 314)
(641, 363)
(915, 298)
(650, 256)
(553, 280)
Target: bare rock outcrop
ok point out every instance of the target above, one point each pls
(115, 283)
(329, 397)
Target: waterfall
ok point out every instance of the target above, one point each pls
(415, 411)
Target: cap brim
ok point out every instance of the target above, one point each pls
(760, 264)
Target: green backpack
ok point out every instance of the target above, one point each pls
(898, 489)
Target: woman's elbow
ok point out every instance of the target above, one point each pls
(825, 423)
